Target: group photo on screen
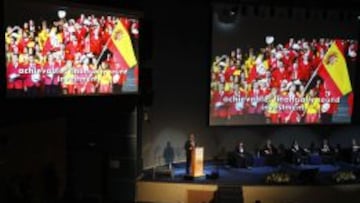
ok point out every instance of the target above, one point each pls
(70, 51)
(284, 81)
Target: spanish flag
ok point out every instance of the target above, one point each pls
(334, 70)
(121, 47)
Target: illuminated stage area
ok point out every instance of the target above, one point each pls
(323, 174)
(223, 183)
(195, 193)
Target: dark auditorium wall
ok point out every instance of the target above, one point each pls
(180, 83)
(95, 140)
(102, 153)
(28, 151)
(101, 134)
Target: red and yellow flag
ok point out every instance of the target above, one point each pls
(334, 70)
(121, 47)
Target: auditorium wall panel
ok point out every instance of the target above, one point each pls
(180, 67)
(102, 153)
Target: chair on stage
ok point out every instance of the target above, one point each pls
(299, 157)
(315, 159)
(259, 161)
(328, 158)
(237, 160)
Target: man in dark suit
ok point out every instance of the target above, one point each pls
(269, 148)
(243, 158)
(327, 152)
(299, 155)
(355, 152)
(190, 145)
(270, 153)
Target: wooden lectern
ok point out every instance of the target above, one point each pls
(197, 162)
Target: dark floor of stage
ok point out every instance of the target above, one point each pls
(251, 176)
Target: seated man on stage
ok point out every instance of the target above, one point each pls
(270, 153)
(313, 149)
(299, 155)
(327, 153)
(190, 145)
(355, 152)
(242, 158)
(269, 148)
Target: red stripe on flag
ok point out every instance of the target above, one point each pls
(136, 74)
(340, 46)
(351, 103)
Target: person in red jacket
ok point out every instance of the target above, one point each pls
(264, 91)
(95, 42)
(32, 77)
(290, 106)
(106, 34)
(231, 94)
(72, 48)
(51, 77)
(321, 46)
(15, 84)
(86, 43)
(218, 103)
(80, 32)
(304, 69)
(279, 74)
(294, 72)
(86, 84)
(253, 99)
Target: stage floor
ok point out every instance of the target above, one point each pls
(250, 176)
(171, 192)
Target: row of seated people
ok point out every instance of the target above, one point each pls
(296, 154)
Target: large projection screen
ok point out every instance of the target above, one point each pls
(62, 49)
(269, 68)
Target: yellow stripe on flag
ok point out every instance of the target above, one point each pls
(124, 44)
(335, 64)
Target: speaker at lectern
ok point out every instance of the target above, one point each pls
(197, 162)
